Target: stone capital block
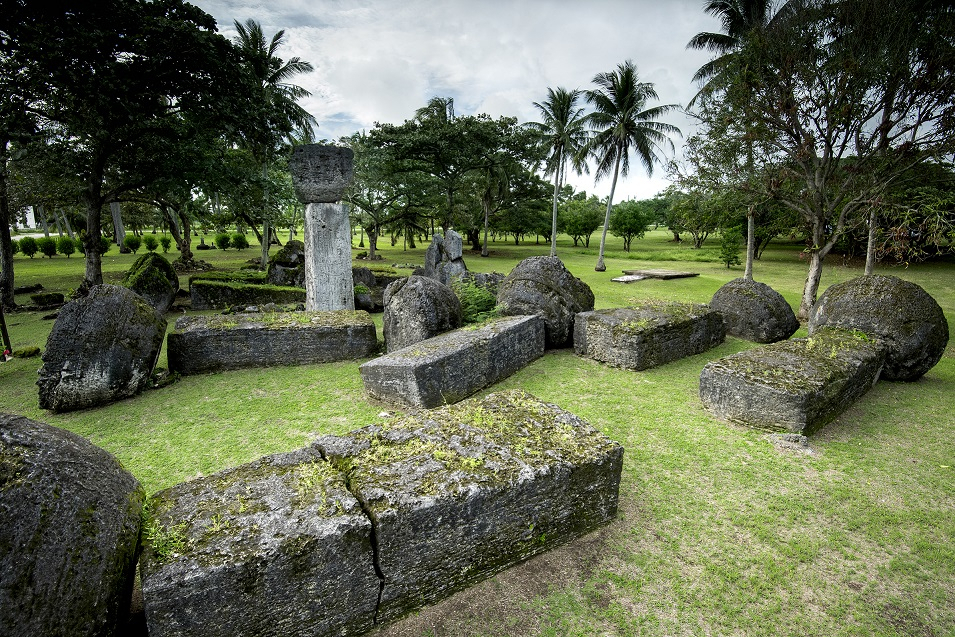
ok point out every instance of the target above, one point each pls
(320, 174)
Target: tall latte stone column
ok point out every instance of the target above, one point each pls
(320, 175)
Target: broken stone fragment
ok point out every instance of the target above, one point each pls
(459, 493)
(277, 547)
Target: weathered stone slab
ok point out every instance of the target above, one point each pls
(152, 277)
(320, 174)
(795, 386)
(69, 533)
(268, 339)
(218, 295)
(661, 273)
(102, 348)
(628, 278)
(649, 335)
(287, 266)
(459, 493)
(418, 308)
(277, 547)
(454, 365)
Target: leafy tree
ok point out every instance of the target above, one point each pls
(579, 218)
(239, 241)
(150, 243)
(620, 124)
(66, 246)
(730, 241)
(223, 240)
(630, 219)
(277, 116)
(166, 243)
(132, 243)
(564, 133)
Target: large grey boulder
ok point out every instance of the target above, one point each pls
(269, 339)
(906, 319)
(287, 266)
(794, 386)
(418, 308)
(69, 533)
(153, 278)
(103, 347)
(454, 365)
(444, 258)
(754, 311)
(459, 493)
(277, 547)
(542, 285)
(647, 335)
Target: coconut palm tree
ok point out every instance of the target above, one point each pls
(277, 116)
(564, 132)
(740, 19)
(621, 124)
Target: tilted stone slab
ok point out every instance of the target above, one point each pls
(795, 386)
(452, 366)
(648, 335)
(277, 547)
(267, 339)
(459, 493)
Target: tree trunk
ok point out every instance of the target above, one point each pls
(750, 243)
(185, 244)
(553, 220)
(870, 247)
(6, 242)
(66, 224)
(119, 230)
(40, 212)
(603, 237)
(811, 288)
(372, 244)
(411, 243)
(59, 228)
(266, 240)
(487, 213)
(91, 240)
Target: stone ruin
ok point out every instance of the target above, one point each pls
(320, 175)
(69, 533)
(754, 311)
(444, 259)
(102, 348)
(361, 529)
(648, 335)
(287, 266)
(418, 308)
(152, 277)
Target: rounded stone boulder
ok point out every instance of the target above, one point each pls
(754, 311)
(102, 348)
(69, 533)
(418, 308)
(320, 174)
(153, 278)
(287, 266)
(906, 319)
(544, 286)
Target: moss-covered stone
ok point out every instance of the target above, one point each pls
(152, 277)
(459, 493)
(797, 385)
(754, 311)
(208, 294)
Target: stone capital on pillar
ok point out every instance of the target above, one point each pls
(320, 174)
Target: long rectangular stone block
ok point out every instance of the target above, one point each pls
(278, 547)
(648, 335)
(459, 493)
(267, 339)
(217, 295)
(797, 385)
(454, 365)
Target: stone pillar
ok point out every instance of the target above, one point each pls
(320, 175)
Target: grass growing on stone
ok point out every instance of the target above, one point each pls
(719, 532)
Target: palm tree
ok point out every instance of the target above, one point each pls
(277, 117)
(564, 132)
(740, 20)
(620, 124)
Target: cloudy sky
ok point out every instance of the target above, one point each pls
(380, 60)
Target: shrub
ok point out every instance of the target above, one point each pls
(65, 246)
(477, 303)
(223, 240)
(132, 242)
(165, 242)
(47, 245)
(362, 289)
(15, 245)
(104, 245)
(239, 242)
(150, 243)
(28, 246)
(730, 244)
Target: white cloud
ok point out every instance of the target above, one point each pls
(379, 60)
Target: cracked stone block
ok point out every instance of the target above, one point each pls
(794, 386)
(459, 493)
(277, 547)
(452, 366)
(648, 335)
(234, 341)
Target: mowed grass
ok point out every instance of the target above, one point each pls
(718, 532)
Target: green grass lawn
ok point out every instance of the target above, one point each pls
(718, 533)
